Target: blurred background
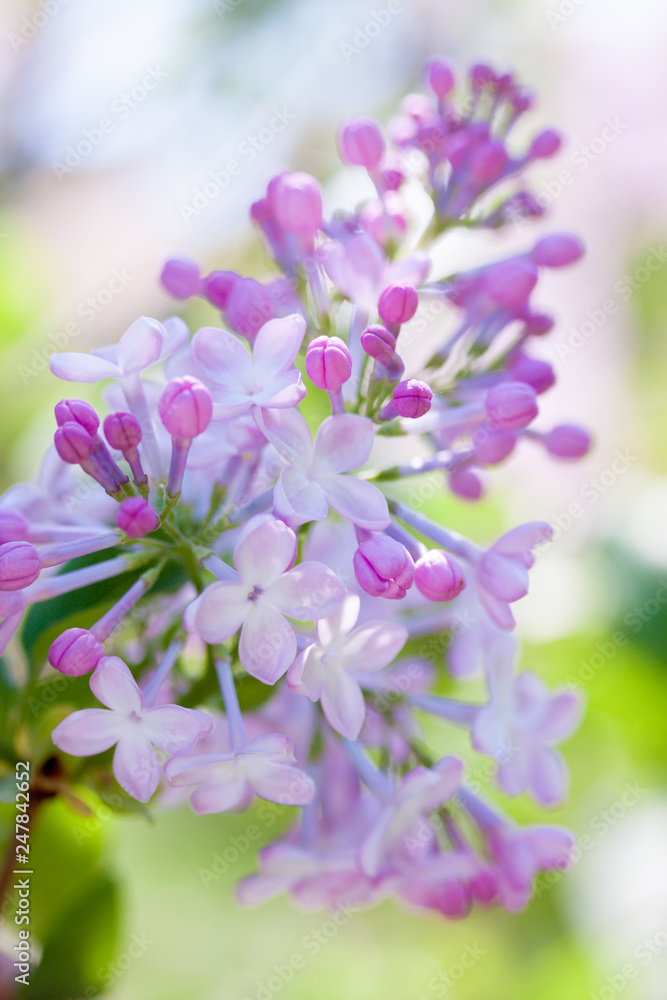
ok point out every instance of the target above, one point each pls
(118, 120)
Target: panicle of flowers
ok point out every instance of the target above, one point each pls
(288, 615)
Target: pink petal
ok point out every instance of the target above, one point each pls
(263, 553)
(298, 499)
(339, 623)
(268, 645)
(113, 684)
(141, 345)
(373, 646)
(173, 728)
(82, 367)
(288, 433)
(222, 357)
(221, 610)
(343, 442)
(358, 501)
(90, 731)
(277, 344)
(135, 764)
(343, 702)
(311, 590)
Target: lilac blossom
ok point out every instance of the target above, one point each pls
(133, 729)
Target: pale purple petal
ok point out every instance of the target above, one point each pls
(410, 270)
(135, 764)
(277, 780)
(343, 702)
(343, 442)
(222, 357)
(222, 796)
(373, 646)
(306, 675)
(268, 645)
(90, 731)
(286, 390)
(521, 540)
(194, 768)
(173, 728)
(297, 499)
(265, 552)
(141, 345)
(562, 717)
(221, 610)
(112, 683)
(277, 344)
(358, 501)
(288, 433)
(311, 590)
(82, 367)
(548, 776)
(499, 611)
(342, 621)
(504, 578)
(175, 336)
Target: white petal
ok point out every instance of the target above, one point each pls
(298, 499)
(268, 645)
(288, 433)
(112, 683)
(82, 367)
(340, 622)
(309, 591)
(135, 764)
(264, 553)
(222, 357)
(141, 345)
(221, 610)
(373, 646)
(358, 501)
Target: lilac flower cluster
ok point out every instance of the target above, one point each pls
(283, 663)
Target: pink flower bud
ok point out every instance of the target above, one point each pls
(493, 445)
(398, 304)
(79, 412)
(557, 250)
(488, 161)
(19, 565)
(383, 567)
(510, 282)
(73, 443)
(567, 441)
(14, 525)
(298, 203)
(185, 407)
(180, 277)
(545, 144)
(392, 178)
(75, 652)
(465, 484)
(122, 431)
(537, 373)
(361, 142)
(217, 287)
(378, 342)
(439, 76)
(537, 324)
(511, 405)
(438, 576)
(136, 517)
(412, 398)
(328, 363)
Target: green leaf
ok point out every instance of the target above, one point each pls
(81, 946)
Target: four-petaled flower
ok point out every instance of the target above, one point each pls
(134, 730)
(265, 378)
(268, 589)
(314, 479)
(325, 671)
(264, 766)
